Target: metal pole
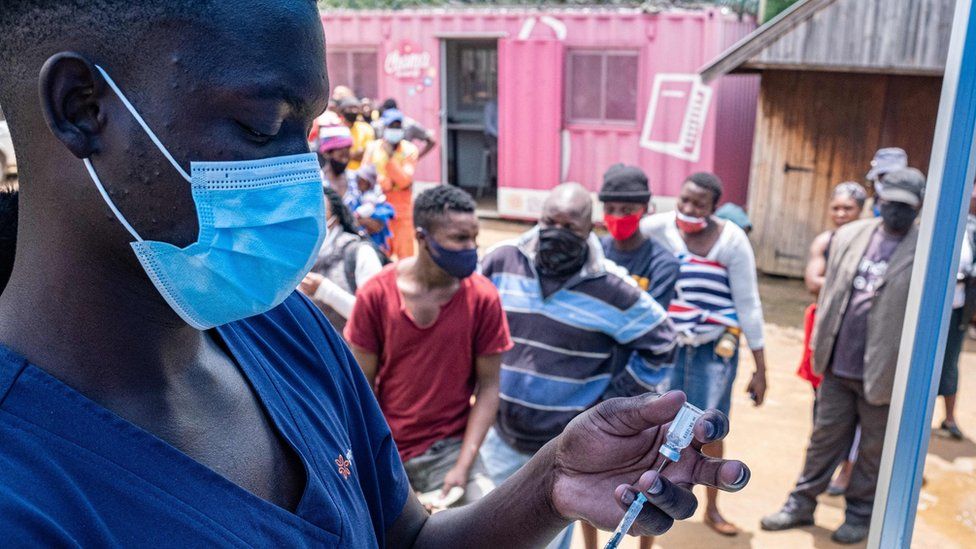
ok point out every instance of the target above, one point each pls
(930, 296)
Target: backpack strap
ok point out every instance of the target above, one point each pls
(349, 253)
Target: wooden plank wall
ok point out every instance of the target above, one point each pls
(817, 129)
(891, 36)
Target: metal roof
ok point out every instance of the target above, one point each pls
(873, 36)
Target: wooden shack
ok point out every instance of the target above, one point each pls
(839, 80)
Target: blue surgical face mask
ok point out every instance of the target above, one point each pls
(457, 263)
(261, 225)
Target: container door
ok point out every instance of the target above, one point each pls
(530, 103)
(471, 95)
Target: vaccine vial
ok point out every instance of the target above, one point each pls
(681, 432)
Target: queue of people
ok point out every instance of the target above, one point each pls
(559, 320)
(163, 384)
(369, 156)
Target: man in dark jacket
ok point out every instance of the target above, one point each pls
(855, 347)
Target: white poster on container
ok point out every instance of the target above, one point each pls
(676, 116)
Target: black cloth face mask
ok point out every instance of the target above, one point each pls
(897, 216)
(562, 253)
(338, 168)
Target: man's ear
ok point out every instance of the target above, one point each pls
(70, 91)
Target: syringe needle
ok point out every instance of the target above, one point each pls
(631, 515)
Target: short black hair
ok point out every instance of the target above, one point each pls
(29, 26)
(708, 181)
(390, 103)
(33, 30)
(340, 210)
(8, 234)
(434, 203)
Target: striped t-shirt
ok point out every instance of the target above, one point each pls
(702, 308)
(734, 253)
(563, 359)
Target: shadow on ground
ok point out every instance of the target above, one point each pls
(951, 450)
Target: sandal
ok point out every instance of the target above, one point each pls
(724, 528)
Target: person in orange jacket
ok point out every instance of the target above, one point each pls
(395, 160)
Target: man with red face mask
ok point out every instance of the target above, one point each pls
(626, 197)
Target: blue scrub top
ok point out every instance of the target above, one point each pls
(73, 473)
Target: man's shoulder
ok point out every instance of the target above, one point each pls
(503, 256)
(293, 336)
(846, 234)
(381, 282)
(480, 288)
(614, 286)
(479, 284)
(662, 257)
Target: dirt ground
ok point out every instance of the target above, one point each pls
(772, 440)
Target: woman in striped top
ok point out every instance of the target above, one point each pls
(716, 293)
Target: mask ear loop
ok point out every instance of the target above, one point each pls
(108, 200)
(145, 127)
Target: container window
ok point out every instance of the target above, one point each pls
(602, 87)
(356, 69)
(586, 85)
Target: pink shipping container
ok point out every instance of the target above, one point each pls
(568, 92)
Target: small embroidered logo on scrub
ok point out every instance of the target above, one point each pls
(343, 462)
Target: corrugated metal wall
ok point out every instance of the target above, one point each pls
(890, 36)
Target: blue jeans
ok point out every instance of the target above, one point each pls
(705, 377)
(502, 461)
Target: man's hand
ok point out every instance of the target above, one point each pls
(757, 388)
(311, 284)
(610, 452)
(457, 476)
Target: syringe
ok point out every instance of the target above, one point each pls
(679, 436)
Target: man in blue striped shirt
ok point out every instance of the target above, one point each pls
(568, 310)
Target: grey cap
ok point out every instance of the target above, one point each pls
(887, 160)
(906, 185)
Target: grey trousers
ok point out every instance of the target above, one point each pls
(426, 472)
(840, 407)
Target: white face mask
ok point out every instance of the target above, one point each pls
(393, 135)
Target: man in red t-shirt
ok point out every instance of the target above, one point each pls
(429, 333)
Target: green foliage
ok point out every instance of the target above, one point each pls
(775, 7)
